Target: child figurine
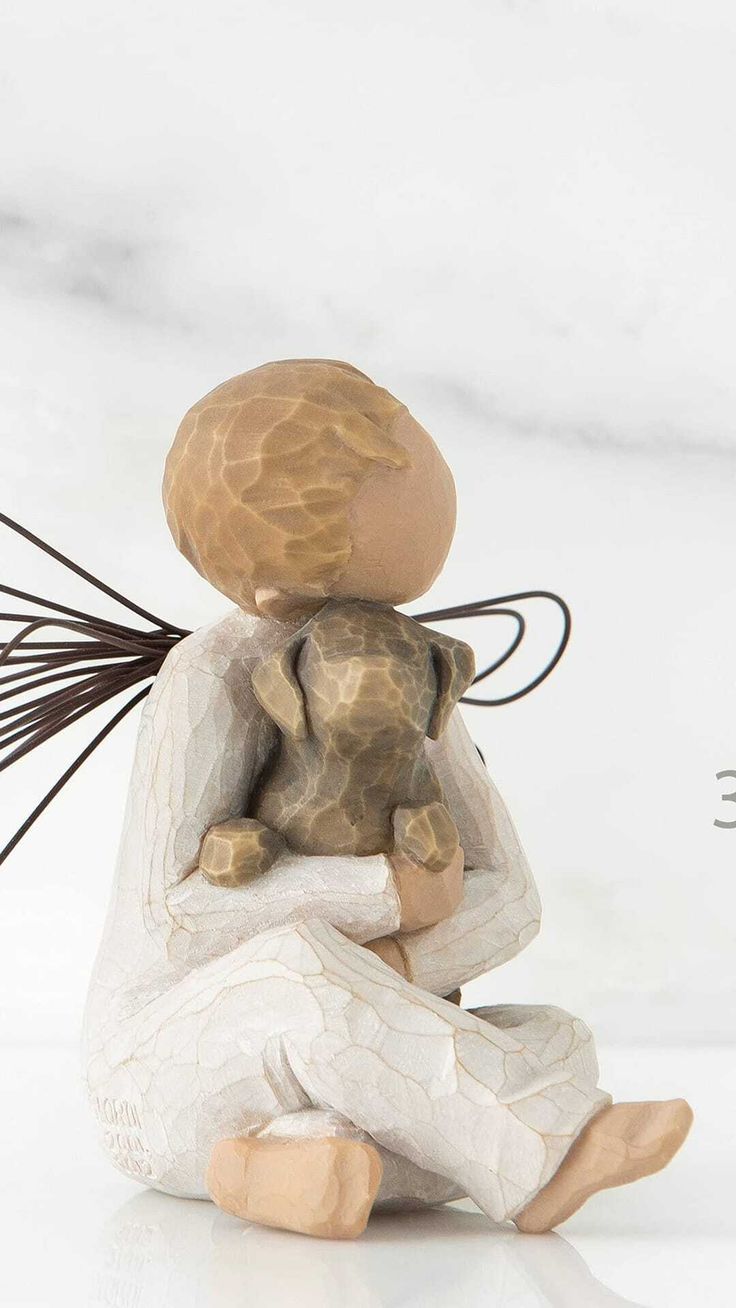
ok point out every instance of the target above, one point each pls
(285, 1042)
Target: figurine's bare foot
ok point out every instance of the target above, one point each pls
(622, 1143)
(319, 1187)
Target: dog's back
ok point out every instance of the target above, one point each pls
(355, 692)
(369, 685)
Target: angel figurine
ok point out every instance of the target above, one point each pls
(314, 860)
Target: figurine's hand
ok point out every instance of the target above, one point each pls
(389, 949)
(427, 897)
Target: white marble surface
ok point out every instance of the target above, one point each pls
(519, 218)
(76, 1233)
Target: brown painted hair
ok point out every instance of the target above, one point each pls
(262, 473)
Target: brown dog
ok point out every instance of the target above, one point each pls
(354, 693)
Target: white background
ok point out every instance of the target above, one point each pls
(518, 217)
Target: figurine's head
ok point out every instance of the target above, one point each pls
(303, 481)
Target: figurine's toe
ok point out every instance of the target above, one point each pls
(318, 1187)
(623, 1143)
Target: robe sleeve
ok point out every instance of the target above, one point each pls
(500, 911)
(202, 743)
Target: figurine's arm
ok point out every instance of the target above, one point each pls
(500, 910)
(203, 741)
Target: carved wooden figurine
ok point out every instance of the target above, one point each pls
(266, 1022)
(354, 693)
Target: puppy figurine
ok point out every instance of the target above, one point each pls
(354, 694)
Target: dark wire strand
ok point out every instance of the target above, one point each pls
(66, 776)
(510, 650)
(113, 657)
(56, 711)
(53, 722)
(29, 598)
(88, 576)
(491, 608)
(125, 643)
(81, 674)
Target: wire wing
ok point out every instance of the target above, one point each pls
(84, 661)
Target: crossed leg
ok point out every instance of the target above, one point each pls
(444, 1102)
(317, 1173)
(449, 1102)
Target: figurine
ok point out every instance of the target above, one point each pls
(355, 693)
(279, 1030)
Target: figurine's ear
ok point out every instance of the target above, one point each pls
(277, 689)
(454, 664)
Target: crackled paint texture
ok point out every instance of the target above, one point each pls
(235, 497)
(238, 849)
(355, 693)
(217, 1012)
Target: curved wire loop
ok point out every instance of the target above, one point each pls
(496, 607)
(105, 659)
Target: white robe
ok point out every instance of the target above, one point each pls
(217, 1012)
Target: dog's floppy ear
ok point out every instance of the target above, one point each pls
(277, 688)
(454, 665)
